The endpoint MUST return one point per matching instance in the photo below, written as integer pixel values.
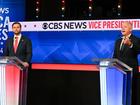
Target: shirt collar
(19, 36)
(128, 36)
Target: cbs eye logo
(45, 26)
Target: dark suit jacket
(128, 55)
(24, 50)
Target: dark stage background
(50, 87)
(53, 87)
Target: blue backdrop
(10, 10)
(76, 47)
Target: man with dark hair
(127, 50)
(16, 23)
(19, 45)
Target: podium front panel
(114, 86)
(9, 84)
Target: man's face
(126, 29)
(16, 29)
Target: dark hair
(16, 23)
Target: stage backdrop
(10, 10)
(74, 42)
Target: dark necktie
(122, 47)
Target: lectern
(115, 82)
(13, 81)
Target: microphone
(16, 38)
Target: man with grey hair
(126, 50)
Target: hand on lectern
(26, 64)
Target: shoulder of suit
(24, 37)
(136, 37)
(10, 38)
(119, 39)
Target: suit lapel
(12, 45)
(126, 48)
(121, 52)
(118, 46)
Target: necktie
(15, 44)
(122, 45)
